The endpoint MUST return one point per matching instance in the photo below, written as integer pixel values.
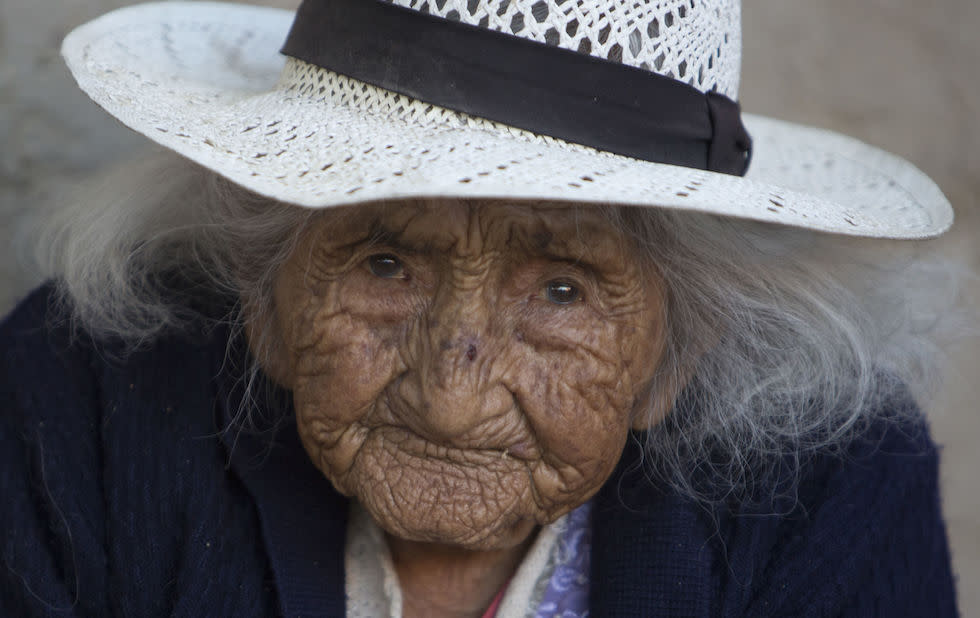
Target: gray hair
(782, 336)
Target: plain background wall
(901, 74)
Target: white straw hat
(208, 81)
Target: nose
(451, 390)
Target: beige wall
(901, 74)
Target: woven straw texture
(207, 81)
(695, 42)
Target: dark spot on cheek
(519, 336)
(445, 344)
(522, 450)
(471, 353)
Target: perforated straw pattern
(206, 80)
(331, 88)
(695, 41)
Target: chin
(496, 537)
(473, 529)
(470, 498)
(446, 505)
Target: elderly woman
(469, 308)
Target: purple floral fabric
(567, 593)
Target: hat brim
(203, 79)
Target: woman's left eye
(386, 266)
(562, 292)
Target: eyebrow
(567, 237)
(380, 234)
(560, 246)
(562, 243)
(578, 260)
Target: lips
(412, 444)
(501, 436)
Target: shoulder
(28, 327)
(56, 376)
(115, 483)
(861, 534)
(53, 371)
(855, 532)
(43, 350)
(52, 512)
(45, 372)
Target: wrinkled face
(468, 372)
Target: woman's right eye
(562, 292)
(386, 266)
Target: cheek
(574, 391)
(578, 375)
(343, 355)
(384, 303)
(644, 340)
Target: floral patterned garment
(566, 594)
(551, 582)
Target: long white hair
(788, 340)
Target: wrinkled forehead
(477, 226)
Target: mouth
(415, 445)
(504, 435)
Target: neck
(444, 580)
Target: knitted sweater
(121, 496)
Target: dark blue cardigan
(119, 495)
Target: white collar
(372, 584)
